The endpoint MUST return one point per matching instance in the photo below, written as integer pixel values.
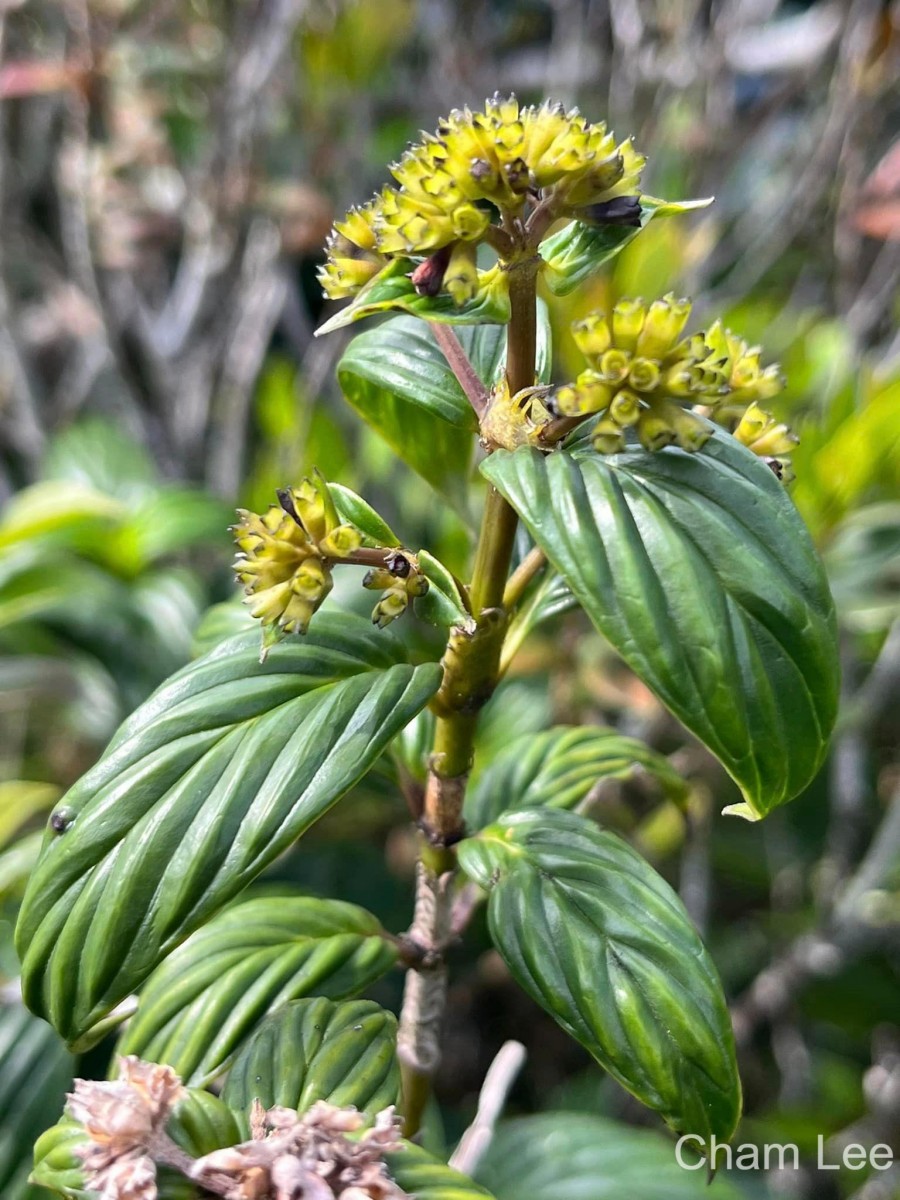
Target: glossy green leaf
(393, 290)
(601, 942)
(558, 768)
(35, 1074)
(202, 787)
(442, 605)
(421, 1175)
(212, 993)
(353, 509)
(579, 249)
(574, 1156)
(317, 1050)
(200, 1124)
(700, 572)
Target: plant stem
(471, 669)
(533, 562)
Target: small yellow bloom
(283, 555)
(644, 373)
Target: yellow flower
(643, 373)
(283, 555)
(450, 185)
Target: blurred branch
(496, 1087)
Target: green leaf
(353, 509)
(98, 454)
(65, 510)
(579, 249)
(399, 382)
(35, 1073)
(20, 800)
(571, 1156)
(200, 1124)
(221, 622)
(392, 289)
(213, 777)
(317, 1050)
(442, 604)
(209, 996)
(420, 1175)
(165, 522)
(558, 768)
(700, 572)
(601, 942)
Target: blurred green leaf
(569, 1156)
(578, 250)
(35, 1073)
(20, 800)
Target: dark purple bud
(428, 276)
(621, 210)
(286, 500)
(398, 564)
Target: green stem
(471, 670)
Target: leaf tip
(744, 809)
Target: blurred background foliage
(169, 170)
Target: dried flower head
(644, 373)
(121, 1119)
(308, 1157)
(504, 159)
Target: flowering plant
(650, 491)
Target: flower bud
(614, 364)
(627, 323)
(592, 336)
(663, 326)
(654, 430)
(607, 437)
(461, 276)
(643, 374)
(625, 408)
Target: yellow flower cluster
(283, 555)
(400, 581)
(451, 184)
(643, 373)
